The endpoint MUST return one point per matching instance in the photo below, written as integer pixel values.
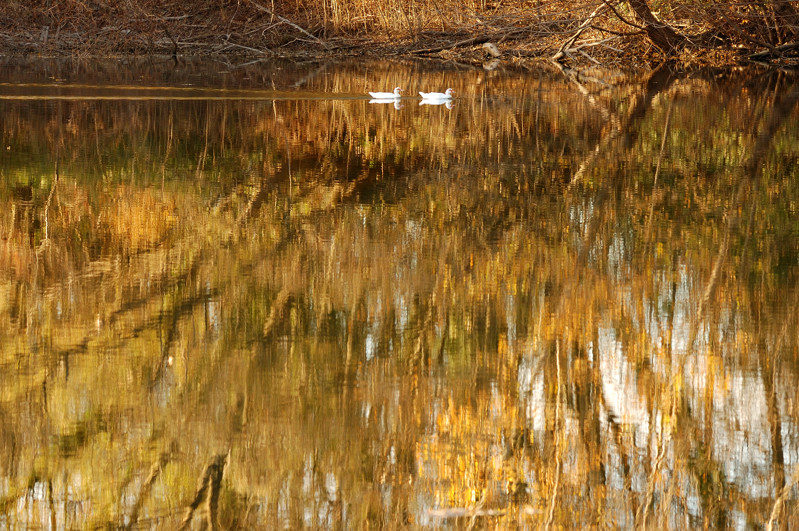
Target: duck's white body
(387, 95)
(437, 96)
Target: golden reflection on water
(528, 309)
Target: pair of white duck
(435, 98)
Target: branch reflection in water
(566, 301)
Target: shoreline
(639, 59)
(573, 35)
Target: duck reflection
(447, 103)
(397, 104)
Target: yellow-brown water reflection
(545, 306)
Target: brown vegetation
(596, 31)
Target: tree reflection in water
(559, 303)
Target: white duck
(437, 96)
(387, 95)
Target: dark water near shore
(246, 297)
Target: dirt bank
(627, 34)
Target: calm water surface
(245, 297)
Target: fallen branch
(290, 23)
(774, 51)
(566, 46)
(465, 42)
(591, 43)
(256, 50)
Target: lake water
(243, 296)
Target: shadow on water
(566, 301)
